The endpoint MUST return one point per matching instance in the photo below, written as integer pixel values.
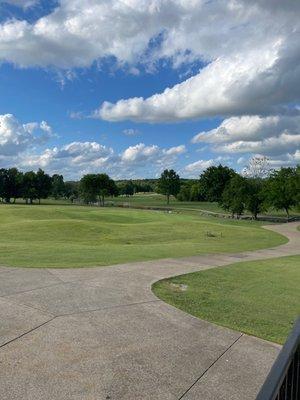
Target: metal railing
(283, 381)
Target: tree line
(31, 186)
(255, 192)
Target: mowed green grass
(76, 236)
(158, 200)
(261, 298)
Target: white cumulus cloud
(16, 137)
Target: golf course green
(78, 236)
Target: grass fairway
(74, 236)
(261, 298)
(158, 200)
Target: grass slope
(73, 236)
(261, 298)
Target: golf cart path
(100, 333)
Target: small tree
(282, 189)
(169, 184)
(235, 195)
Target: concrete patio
(100, 333)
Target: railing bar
(291, 380)
(298, 372)
(280, 382)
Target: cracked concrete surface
(100, 333)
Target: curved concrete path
(100, 333)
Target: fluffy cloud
(199, 166)
(193, 170)
(253, 66)
(272, 135)
(250, 51)
(77, 158)
(16, 137)
(249, 128)
(261, 81)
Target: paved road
(100, 333)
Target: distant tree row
(132, 186)
(32, 186)
(255, 191)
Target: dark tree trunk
(287, 212)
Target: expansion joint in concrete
(211, 365)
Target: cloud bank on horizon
(249, 54)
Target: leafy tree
(43, 185)
(29, 189)
(104, 187)
(282, 189)
(112, 188)
(71, 190)
(58, 186)
(88, 188)
(235, 195)
(213, 181)
(197, 192)
(255, 202)
(10, 184)
(95, 187)
(184, 193)
(191, 191)
(128, 189)
(169, 184)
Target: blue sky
(132, 87)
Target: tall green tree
(282, 189)
(58, 186)
(95, 187)
(213, 181)
(127, 188)
(29, 190)
(2, 182)
(10, 184)
(71, 190)
(255, 202)
(43, 185)
(235, 195)
(88, 188)
(169, 184)
(104, 187)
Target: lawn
(75, 236)
(158, 200)
(261, 298)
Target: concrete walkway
(100, 333)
